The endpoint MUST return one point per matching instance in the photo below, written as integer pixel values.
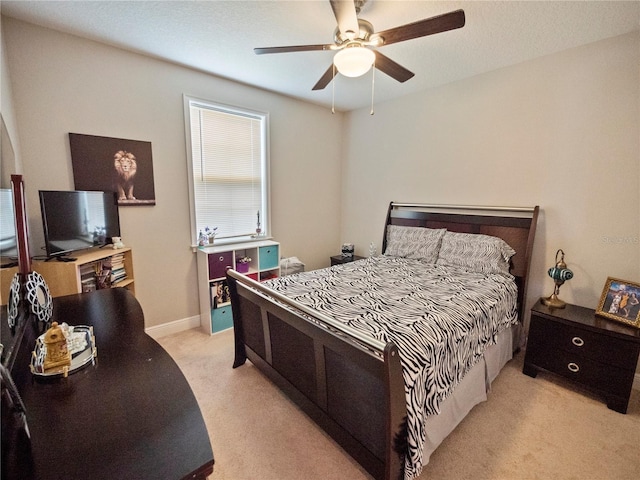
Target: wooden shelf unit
(64, 278)
(213, 262)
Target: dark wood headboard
(515, 225)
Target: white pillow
(475, 252)
(414, 242)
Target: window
(228, 163)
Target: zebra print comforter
(442, 318)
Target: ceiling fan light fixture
(354, 61)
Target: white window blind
(229, 169)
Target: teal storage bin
(221, 318)
(269, 257)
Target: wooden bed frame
(350, 385)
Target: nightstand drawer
(550, 336)
(592, 374)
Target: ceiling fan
(356, 42)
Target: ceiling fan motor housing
(364, 35)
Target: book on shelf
(118, 275)
(89, 284)
(118, 271)
(88, 277)
(220, 294)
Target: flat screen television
(77, 220)
(8, 236)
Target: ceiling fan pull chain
(333, 91)
(373, 82)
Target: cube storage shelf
(213, 262)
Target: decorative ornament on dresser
(14, 301)
(620, 300)
(39, 298)
(560, 274)
(56, 351)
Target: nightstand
(597, 353)
(339, 259)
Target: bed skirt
(470, 391)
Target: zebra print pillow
(475, 252)
(414, 242)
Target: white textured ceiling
(219, 36)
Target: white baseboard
(176, 326)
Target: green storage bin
(269, 257)
(221, 318)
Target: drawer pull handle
(221, 259)
(573, 367)
(577, 341)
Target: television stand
(68, 275)
(61, 258)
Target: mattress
(442, 319)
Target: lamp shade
(354, 61)
(560, 274)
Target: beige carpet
(539, 428)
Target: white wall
(63, 84)
(9, 146)
(561, 132)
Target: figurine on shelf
(117, 242)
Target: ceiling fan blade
(391, 68)
(422, 28)
(325, 79)
(293, 48)
(345, 13)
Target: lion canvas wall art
(113, 164)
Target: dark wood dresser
(597, 353)
(132, 415)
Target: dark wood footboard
(351, 387)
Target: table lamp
(560, 274)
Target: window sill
(233, 242)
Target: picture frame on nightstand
(620, 301)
